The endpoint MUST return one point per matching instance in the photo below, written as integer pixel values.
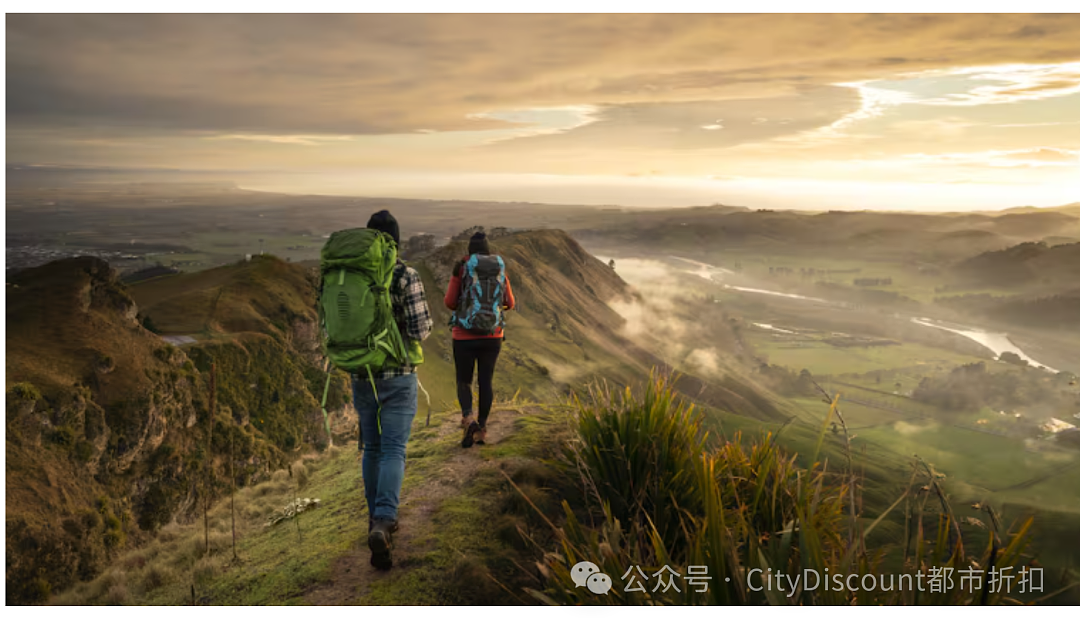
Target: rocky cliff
(108, 430)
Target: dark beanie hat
(479, 244)
(384, 222)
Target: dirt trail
(352, 574)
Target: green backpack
(359, 332)
(355, 312)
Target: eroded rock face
(305, 339)
(103, 290)
(129, 411)
(30, 423)
(146, 438)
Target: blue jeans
(384, 453)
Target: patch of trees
(493, 233)
(873, 281)
(969, 302)
(885, 298)
(786, 381)
(151, 272)
(1061, 310)
(1022, 263)
(973, 386)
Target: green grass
(279, 564)
(984, 460)
(219, 247)
(857, 416)
(807, 352)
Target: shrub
(62, 436)
(300, 472)
(149, 325)
(25, 391)
(117, 595)
(114, 539)
(84, 450)
(204, 571)
(165, 352)
(156, 576)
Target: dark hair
(385, 222)
(479, 244)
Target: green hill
(1030, 262)
(476, 522)
(847, 234)
(107, 423)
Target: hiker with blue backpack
(374, 315)
(479, 293)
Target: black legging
(482, 353)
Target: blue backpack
(483, 285)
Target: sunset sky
(914, 112)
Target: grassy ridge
(460, 529)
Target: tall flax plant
(636, 454)
(665, 496)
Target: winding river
(997, 343)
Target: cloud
(656, 318)
(873, 102)
(380, 74)
(292, 139)
(576, 98)
(695, 125)
(705, 360)
(949, 126)
(1045, 154)
(1040, 124)
(1033, 157)
(1007, 84)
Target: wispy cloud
(1033, 157)
(538, 121)
(1006, 84)
(1041, 124)
(286, 139)
(873, 102)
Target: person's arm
(452, 292)
(418, 321)
(508, 296)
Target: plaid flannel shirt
(411, 314)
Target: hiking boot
(379, 542)
(479, 436)
(470, 433)
(465, 419)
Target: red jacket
(453, 291)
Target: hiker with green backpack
(374, 316)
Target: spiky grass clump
(734, 509)
(635, 453)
